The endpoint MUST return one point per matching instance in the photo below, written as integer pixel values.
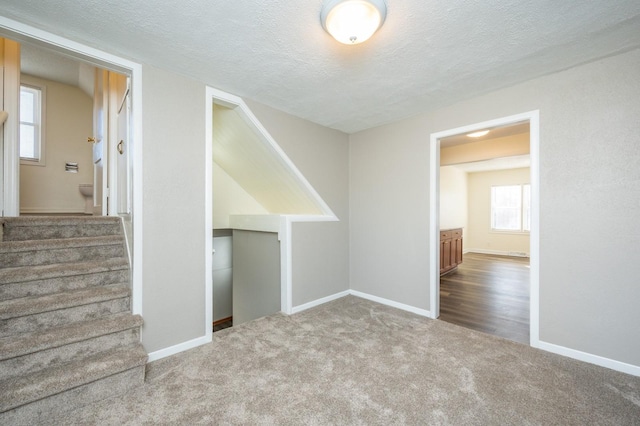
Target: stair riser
(42, 359)
(61, 317)
(54, 285)
(64, 255)
(39, 412)
(23, 274)
(24, 233)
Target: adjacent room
(485, 220)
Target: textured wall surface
(174, 232)
(589, 202)
(320, 250)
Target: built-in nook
(257, 194)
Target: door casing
(533, 117)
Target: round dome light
(353, 21)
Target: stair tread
(13, 308)
(24, 389)
(59, 243)
(53, 270)
(27, 343)
(59, 220)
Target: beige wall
(478, 236)
(173, 209)
(68, 123)
(230, 198)
(589, 192)
(256, 275)
(453, 198)
(320, 250)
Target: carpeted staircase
(67, 335)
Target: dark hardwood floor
(488, 293)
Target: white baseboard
(180, 347)
(496, 252)
(408, 308)
(318, 302)
(623, 367)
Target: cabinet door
(445, 255)
(457, 250)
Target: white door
(2, 134)
(123, 168)
(100, 111)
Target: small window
(31, 125)
(511, 208)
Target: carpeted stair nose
(67, 334)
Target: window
(31, 125)
(511, 208)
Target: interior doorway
(479, 267)
(25, 34)
(79, 164)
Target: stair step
(40, 349)
(68, 250)
(42, 272)
(52, 302)
(59, 284)
(21, 390)
(55, 227)
(27, 343)
(36, 312)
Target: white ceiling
(494, 133)
(428, 53)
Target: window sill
(26, 162)
(497, 231)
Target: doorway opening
(14, 34)
(484, 233)
(83, 122)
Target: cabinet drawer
(457, 233)
(445, 235)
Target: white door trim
(11, 152)
(22, 32)
(533, 117)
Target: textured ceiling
(428, 53)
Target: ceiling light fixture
(478, 134)
(353, 21)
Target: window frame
(524, 210)
(40, 125)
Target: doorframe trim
(533, 117)
(22, 32)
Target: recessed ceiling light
(478, 134)
(353, 21)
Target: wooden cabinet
(450, 249)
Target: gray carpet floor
(355, 362)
